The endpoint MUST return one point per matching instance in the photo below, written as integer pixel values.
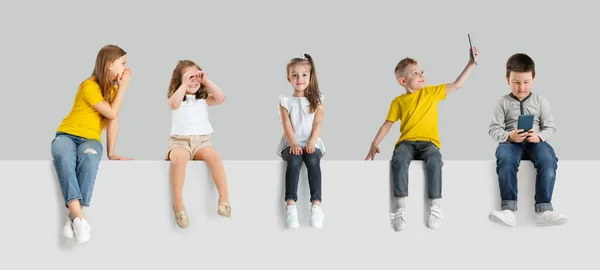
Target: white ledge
(133, 225)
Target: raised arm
(464, 75)
(176, 98)
(216, 96)
(111, 110)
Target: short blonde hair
(401, 66)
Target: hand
(296, 149)
(187, 78)
(113, 157)
(310, 148)
(123, 79)
(516, 136)
(532, 137)
(372, 152)
(471, 60)
(202, 77)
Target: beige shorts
(192, 143)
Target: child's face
(193, 82)
(414, 77)
(520, 83)
(118, 67)
(299, 76)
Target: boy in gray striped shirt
(515, 145)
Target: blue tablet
(525, 122)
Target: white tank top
(191, 118)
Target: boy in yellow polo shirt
(418, 115)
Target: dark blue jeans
(508, 159)
(292, 174)
(76, 161)
(404, 153)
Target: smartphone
(525, 122)
(472, 51)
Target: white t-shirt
(191, 118)
(302, 121)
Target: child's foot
(435, 217)
(503, 217)
(82, 230)
(181, 218)
(291, 217)
(224, 210)
(399, 219)
(550, 218)
(316, 217)
(68, 228)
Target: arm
(316, 127)
(460, 80)
(464, 75)
(547, 124)
(497, 128)
(111, 110)
(216, 96)
(177, 97)
(381, 133)
(288, 130)
(112, 130)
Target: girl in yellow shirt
(77, 147)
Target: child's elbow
(173, 105)
(222, 98)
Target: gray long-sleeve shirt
(508, 109)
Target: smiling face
(413, 77)
(299, 76)
(193, 84)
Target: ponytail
(312, 92)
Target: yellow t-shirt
(418, 114)
(84, 120)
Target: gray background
(49, 47)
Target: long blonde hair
(106, 56)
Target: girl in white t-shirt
(190, 94)
(301, 116)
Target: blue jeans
(405, 152)
(292, 174)
(508, 159)
(76, 161)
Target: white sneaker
(316, 217)
(82, 230)
(550, 218)
(291, 217)
(503, 217)
(435, 217)
(399, 219)
(68, 228)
